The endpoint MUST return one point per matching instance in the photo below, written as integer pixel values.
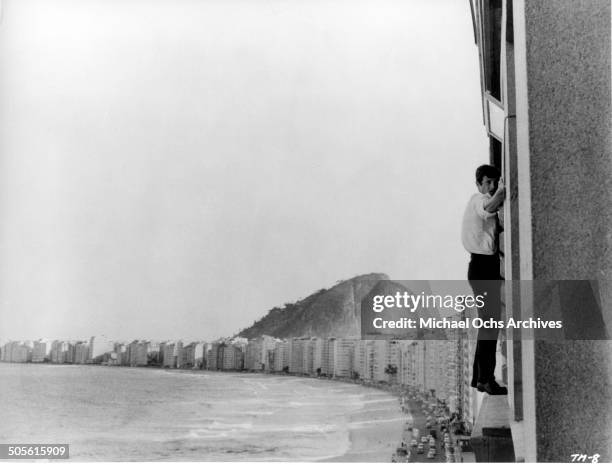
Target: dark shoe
(492, 388)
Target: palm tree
(391, 370)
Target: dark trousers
(485, 280)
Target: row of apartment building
(55, 351)
(136, 353)
(77, 352)
(431, 366)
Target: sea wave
(181, 416)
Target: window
(495, 118)
(495, 153)
(492, 22)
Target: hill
(332, 312)
(328, 312)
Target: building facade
(545, 75)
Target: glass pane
(496, 120)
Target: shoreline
(373, 438)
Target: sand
(375, 431)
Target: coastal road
(419, 421)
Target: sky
(176, 169)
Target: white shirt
(479, 226)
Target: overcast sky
(174, 169)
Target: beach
(374, 434)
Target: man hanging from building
(479, 236)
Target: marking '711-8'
(583, 458)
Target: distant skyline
(174, 170)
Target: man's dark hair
(488, 171)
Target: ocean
(140, 414)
